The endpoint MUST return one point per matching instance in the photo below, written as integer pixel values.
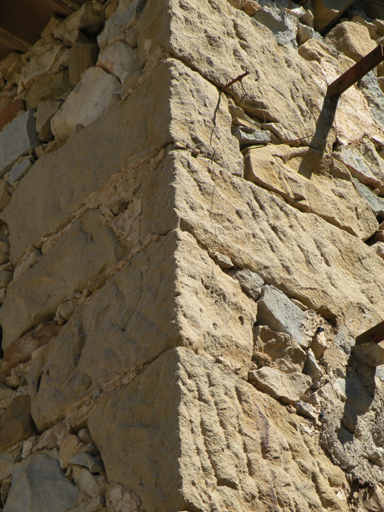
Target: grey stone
(371, 89)
(250, 137)
(250, 282)
(281, 23)
(361, 167)
(88, 461)
(19, 170)
(306, 410)
(313, 369)
(39, 485)
(17, 139)
(280, 314)
(375, 202)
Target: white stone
(96, 92)
(121, 20)
(119, 59)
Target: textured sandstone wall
(185, 265)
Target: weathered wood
(356, 72)
(375, 335)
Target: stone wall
(192, 238)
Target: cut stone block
(161, 294)
(17, 139)
(39, 484)
(18, 171)
(83, 165)
(210, 443)
(352, 39)
(80, 254)
(280, 314)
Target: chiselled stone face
(191, 240)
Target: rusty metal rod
(353, 75)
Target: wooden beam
(356, 72)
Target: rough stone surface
(285, 353)
(119, 59)
(352, 39)
(54, 87)
(80, 255)
(312, 183)
(96, 92)
(16, 139)
(280, 314)
(283, 24)
(81, 57)
(46, 110)
(270, 93)
(375, 202)
(97, 348)
(284, 387)
(38, 484)
(70, 178)
(326, 12)
(19, 170)
(249, 281)
(214, 415)
(16, 423)
(302, 255)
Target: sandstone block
(287, 388)
(159, 296)
(327, 12)
(370, 26)
(16, 423)
(5, 194)
(88, 461)
(9, 112)
(280, 314)
(271, 92)
(81, 57)
(119, 59)
(19, 170)
(81, 254)
(96, 92)
(38, 484)
(374, 8)
(306, 257)
(352, 39)
(83, 164)
(53, 87)
(312, 183)
(313, 369)
(379, 249)
(18, 138)
(192, 449)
